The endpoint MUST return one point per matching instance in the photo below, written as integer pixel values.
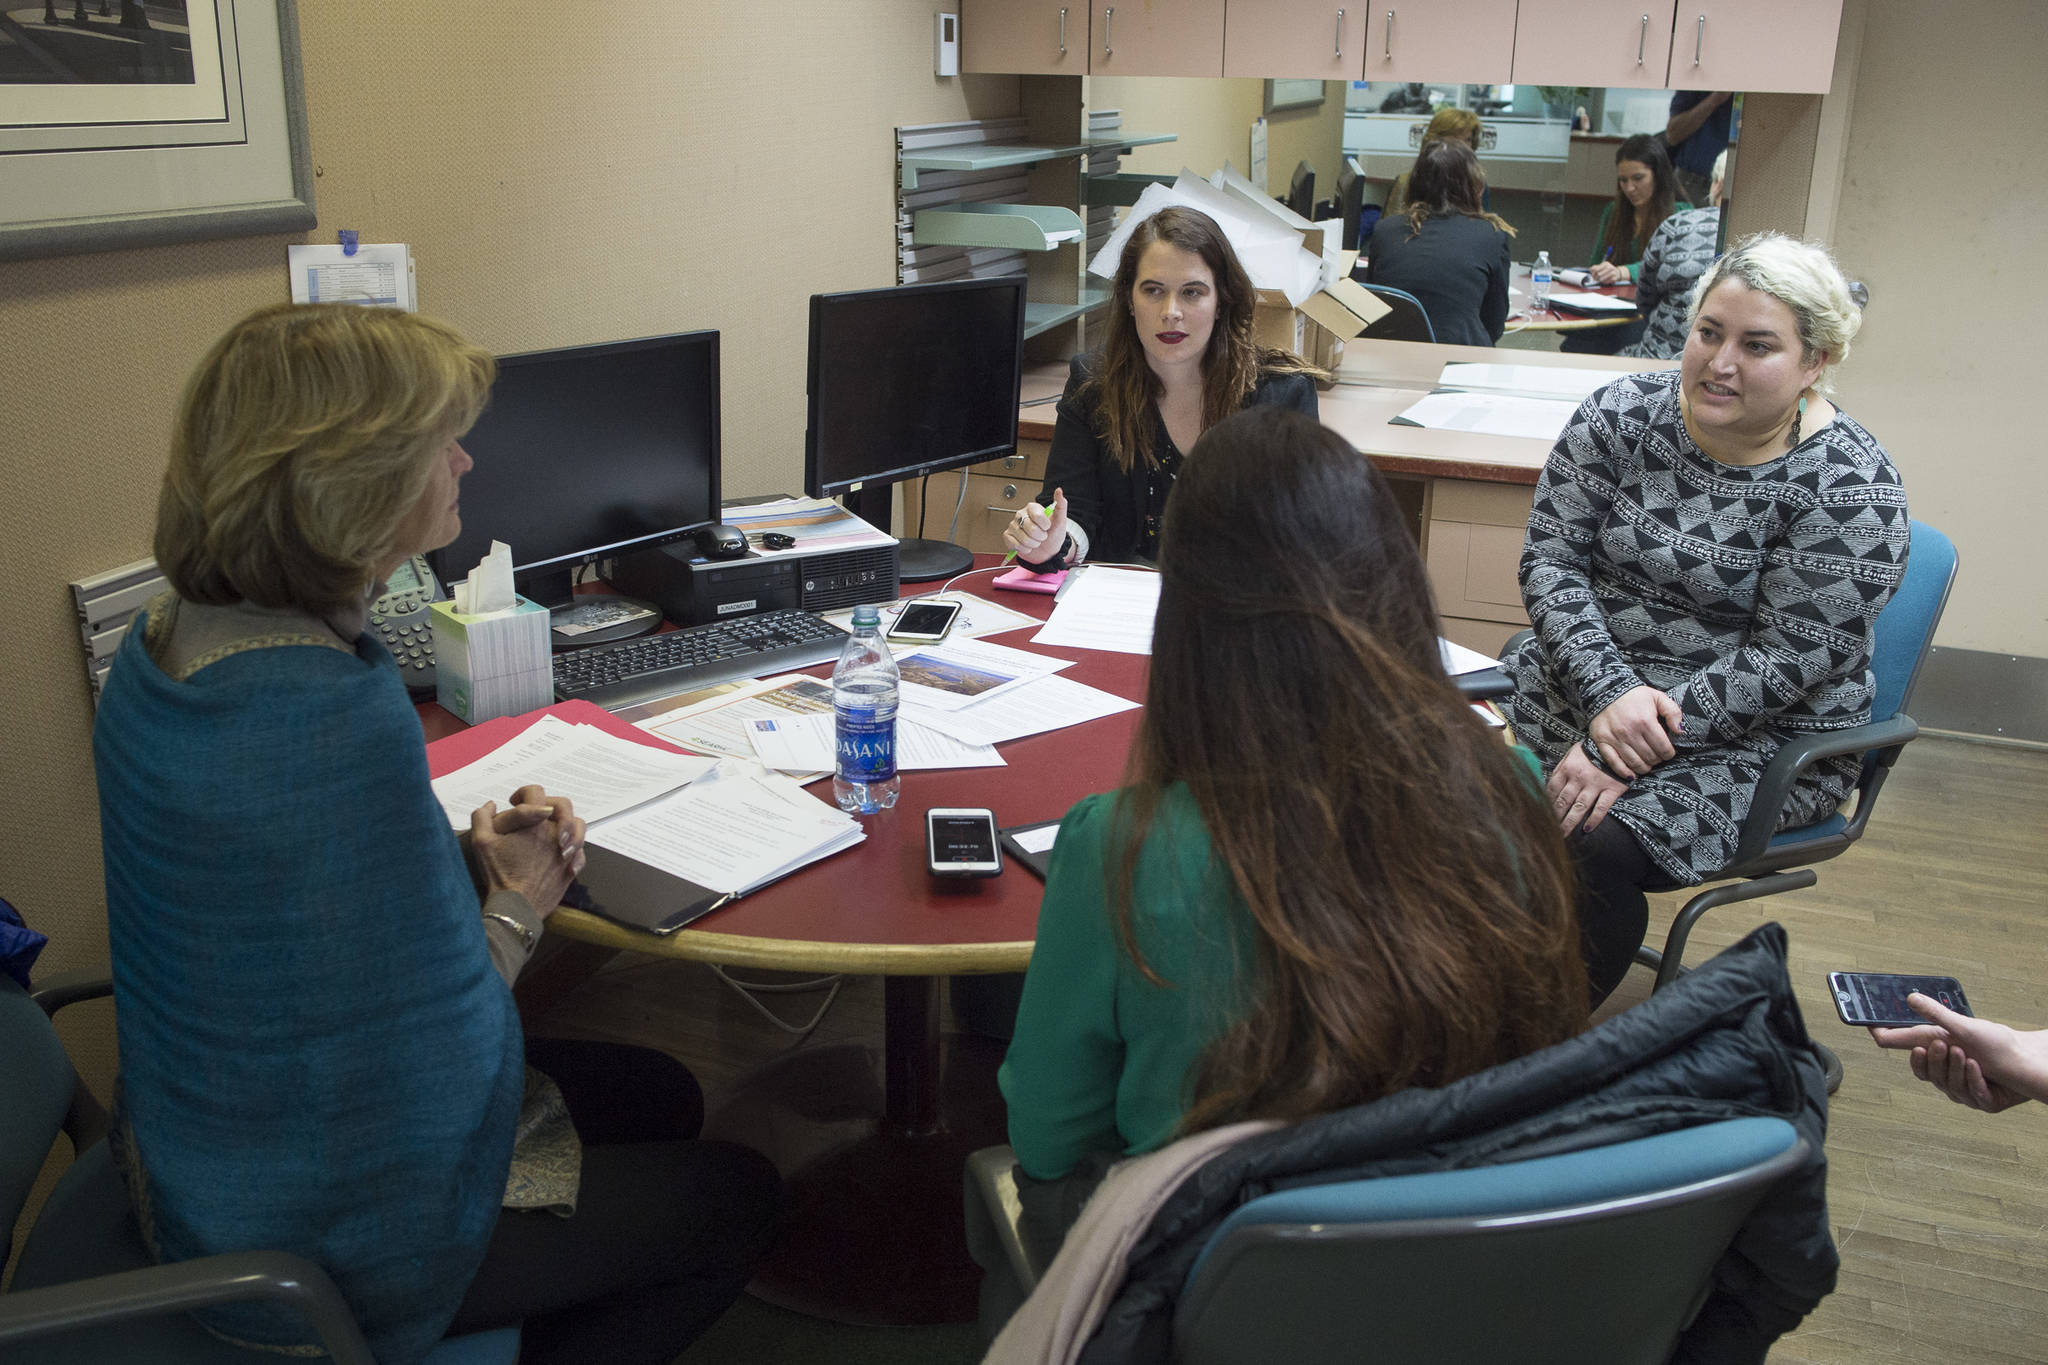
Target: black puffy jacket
(1725, 1041)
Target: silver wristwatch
(528, 936)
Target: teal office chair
(1604, 1254)
(1408, 322)
(1768, 860)
(85, 1291)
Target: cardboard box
(1318, 329)
(492, 664)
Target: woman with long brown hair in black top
(1445, 249)
(1326, 880)
(1177, 357)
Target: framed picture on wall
(136, 122)
(1293, 94)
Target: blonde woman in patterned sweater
(1707, 554)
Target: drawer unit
(1474, 550)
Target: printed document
(804, 745)
(717, 723)
(1530, 381)
(1590, 303)
(1048, 703)
(1104, 608)
(602, 774)
(962, 673)
(1490, 414)
(1458, 659)
(736, 830)
(378, 275)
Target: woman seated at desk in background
(1645, 194)
(1177, 357)
(1444, 249)
(1708, 552)
(319, 1049)
(1680, 250)
(1327, 880)
(1455, 125)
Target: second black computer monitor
(909, 381)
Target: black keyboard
(631, 671)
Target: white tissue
(489, 585)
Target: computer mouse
(722, 542)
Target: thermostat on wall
(946, 43)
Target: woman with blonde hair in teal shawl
(319, 1049)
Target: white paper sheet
(379, 275)
(734, 831)
(1493, 414)
(804, 744)
(1458, 659)
(1104, 608)
(962, 673)
(717, 725)
(1038, 840)
(1592, 303)
(1530, 381)
(601, 773)
(1049, 703)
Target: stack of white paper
(1104, 608)
(732, 831)
(600, 773)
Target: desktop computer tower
(691, 591)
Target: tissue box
(493, 664)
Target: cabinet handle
(1009, 490)
(1013, 461)
(1340, 33)
(1108, 13)
(1642, 40)
(1063, 30)
(1699, 38)
(1006, 511)
(1390, 34)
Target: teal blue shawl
(316, 1054)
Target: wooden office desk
(872, 1143)
(1527, 319)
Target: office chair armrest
(59, 989)
(274, 1276)
(1802, 753)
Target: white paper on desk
(602, 773)
(1492, 414)
(1040, 839)
(817, 525)
(1458, 659)
(1104, 608)
(738, 829)
(802, 744)
(379, 275)
(1529, 381)
(1592, 303)
(963, 673)
(717, 725)
(1048, 703)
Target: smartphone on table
(960, 841)
(924, 622)
(1878, 999)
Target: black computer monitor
(1301, 191)
(1350, 200)
(909, 381)
(590, 452)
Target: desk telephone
(400, 619)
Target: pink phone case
(1023, 580)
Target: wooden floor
(1941, 1213)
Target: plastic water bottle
(1539, 280)
(864, 686)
